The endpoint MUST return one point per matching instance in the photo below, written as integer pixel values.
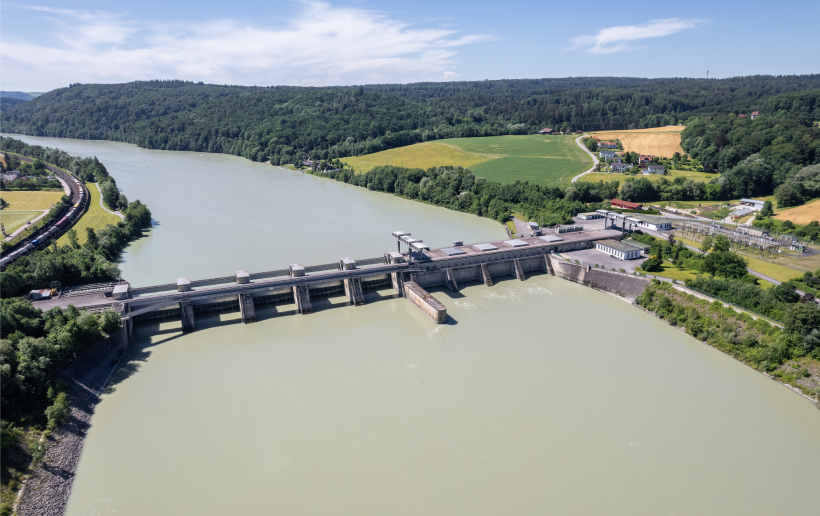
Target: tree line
(283, 124)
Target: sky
(46, 45)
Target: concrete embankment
(47, 489)
(619, 284)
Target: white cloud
(618, 39)
(323, 45)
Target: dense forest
(7, 103)
(282, 124)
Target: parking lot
(592, 257)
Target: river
(541, 397)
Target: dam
(409, 273)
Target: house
(10, 176)
(742, 115)
(619, 250)
(620, 167)
(608, 145)
(606, 154)
(753, 204)
(640, 245)
(655, 169)
(590, 215)
(536, 230)
(652, 222)
(754, 114)
(646, 158)
(625, 205)
(742, 212)
(547, 130)
(40, 294)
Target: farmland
(12, 220)
(688, 174)
(800, 214)
(658, 141)
(421, 155)
(545, 160)
(95, 217)
(23, 200)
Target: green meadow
(545, 160)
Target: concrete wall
(627, 287)
(427, 303)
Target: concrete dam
(408, 273)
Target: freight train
(53, 229)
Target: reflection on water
(542, 397)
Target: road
(118, 214)
(594, 159)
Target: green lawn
(95, 217)
(544, 160)
(12, 220)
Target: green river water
(541, 397)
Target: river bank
(48, 486)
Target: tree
(802, 318)
(706, 244)
(72, 238)
(110, 321)
(652, 264)
(725, 264)
(592, 144)
(91, 238)
(721, 244)
(767, 210)
(110, 194)
(122, 203)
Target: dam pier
(409, 273)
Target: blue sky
(45, 45)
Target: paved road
(594, 159)
(118, 214)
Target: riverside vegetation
(35, 345)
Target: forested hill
(285, 123)
(7, 103)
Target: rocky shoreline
(47, 489)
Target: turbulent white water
(542, 397)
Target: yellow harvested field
(95, 217)
(421, 155)
(30, 200)
(800, 214)
(658, 141)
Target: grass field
(546, 160)
(772, 270)
(14, 219)
(95, 217)
(800, 214)
(688, 174)
(31, 200)
(421, 155)
(658, 141)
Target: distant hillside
(7, 103)
(285, 123)
(22, 95)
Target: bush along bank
(458, 189)
(791, 354)
(34, 345)
(57, 267)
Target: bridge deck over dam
(408, 273)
